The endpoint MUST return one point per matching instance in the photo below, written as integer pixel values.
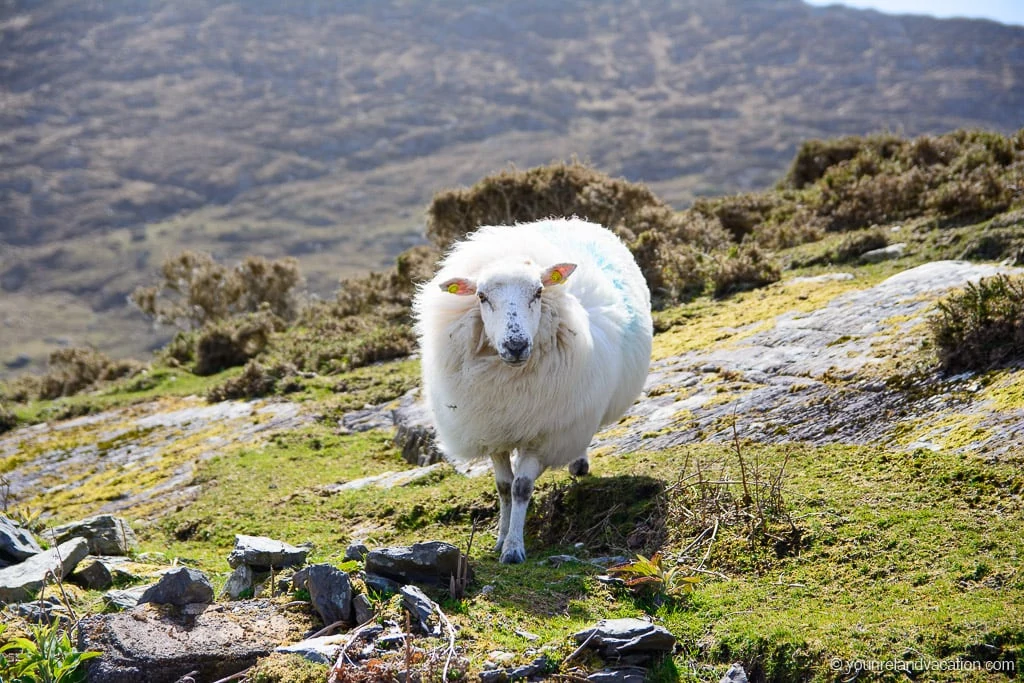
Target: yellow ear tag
(453, 288)
(556, 276)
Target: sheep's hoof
(513, 556)
(579, 467)
(499, 544)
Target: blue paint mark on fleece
(596, 256)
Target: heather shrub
(744, 267)
(855, 244)
(981, 325)
(8, 420)
(255, 381)
(70, 371)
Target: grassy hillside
(321, 130)
(812, 558)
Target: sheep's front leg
(528, 468)
(502, 482)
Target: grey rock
(240, 582)
(415, 435)
(180, 586)
(622, 638)
(356, 551)
(126, 598)
(381, 584)
(156, 646)
(300, 579)
(330, 590)
(384, 480)
(362, 608)
(422, 608)
(18, 582)
(107, 534)
(16, 543)
(392, 641)
(92, 575)
(559, 560)
(44, 611)
(320, 650)
(262, 553)
(735, 674)
(433, 563)
(535, 670)
(626, 674)
(884, 254)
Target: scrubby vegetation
(981, 325)
(70, 371)
(827, 210)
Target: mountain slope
(132, 130)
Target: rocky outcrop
(262, 553)
(106, 534)
(431, 563)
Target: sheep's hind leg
(580, 467)
(502, 482)
(528, 468)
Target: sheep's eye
(536, 295)
(482, 297)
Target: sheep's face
(510, 304)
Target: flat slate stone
(20, 581)
(153, 645)
(106, 534)
(320, 650)
(618, 638)
(433, 562)
(626, 674)
(92, 575)
(422, 608)
(126, 598)
(181, 586)
(16, 543)
(262, 553)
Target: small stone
(320, 650)
(527, 635)
(16, 543)
(300, 579)
(19, 582)
(415, 435)
(239, 583)
(884, 254)
(433, 562)
(93, 575)
(44, 611)
(181, 586)
(106, 534)
(330, 591)
(363, 609)
(627, 674)
(422, 608)
(356, 551)
(735, 674)
(262, 553)
(381, 584)
(124, 599)
(559, 560)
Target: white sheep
(532, 337)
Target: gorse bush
(195, 290)
(981, 325)
(70, 371)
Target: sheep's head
(510, 303)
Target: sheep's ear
(459, 285)
(557, 274)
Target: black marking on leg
(522, 489)
(579, 467)
(504, 488)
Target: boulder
(629, 640)
(19, 582)
(92, 575)
(181, 586)
(356, 551)
(884, 254)
(433, 562)
(330, 591)
(106, 534)
(262, 553)
(422, 609)
(16, 543)
(161, 646)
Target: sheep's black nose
(517, 348)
